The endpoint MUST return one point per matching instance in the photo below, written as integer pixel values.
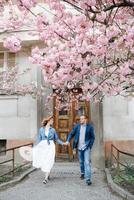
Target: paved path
(64, 184)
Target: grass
(4, 179)
(18, 171)
(124, 178)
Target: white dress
(44, 154)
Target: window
(11, 59)
(2, 146)
(63, 112)
(7, 60)
(81, 110)
(1, 61)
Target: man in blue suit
(84, 137)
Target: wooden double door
(64, 121)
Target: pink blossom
(82, 46)
(28, 3)
(13, 43)
(36, 56)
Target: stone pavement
(64, 184)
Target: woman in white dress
(44, 151)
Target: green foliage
(18, 170)
(126, 175)
(118, 179)
(129, 170)
(4, 179)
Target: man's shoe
(88, 182)
(82, 176)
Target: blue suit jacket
(52, 135)
(89, 136)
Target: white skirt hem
(44, 155)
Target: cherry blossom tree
(88, 44)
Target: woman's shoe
(45, 181)
(82, 176)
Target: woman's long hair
(46, 120)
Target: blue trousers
(85, 163)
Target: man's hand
(74, 152)
(66, 143)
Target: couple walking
(44, 151)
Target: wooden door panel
(64, 122)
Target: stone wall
(118, 124)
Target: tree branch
(118, 5)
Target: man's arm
(92, 137)
(71, 134)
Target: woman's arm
(56, 138)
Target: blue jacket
(89, 136)
(52, 135)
